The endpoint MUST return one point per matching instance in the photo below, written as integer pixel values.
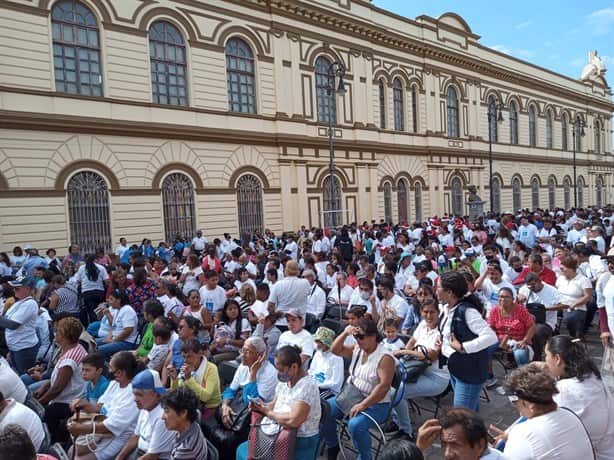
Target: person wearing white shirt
(393, 306)
(490, 283)
(291, 248)
(13, 412)
(291, 292)
(550, 431)
(199, 242)
(212, 296)
(93, 278)
(446, 239)
(326, 367)
(10, 384)
(316, 300)
(582, 390)
(491, 253)
(576, 291)
(124, 325)
(527, 232)
(363, 295)
(296, 335)
(150, 437)
(228, 245)
(122, 248)
(576, 233)
(340, 293)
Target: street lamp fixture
(495, 115)
(578, 130)
(336, 69)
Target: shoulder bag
(350, 395)
(415, 367)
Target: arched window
(76, 49)
(492, 119)
(549, 129)
(597, 128)
(402, 202)
(414, 109)
(249, 205)
(580, 191)
(564, 134)
(532, 126)
(496, 194)
(168, 64)
(178, 206)
(457, 196)
(516, 194)
(577, 132)
(551, 193)
(534, 193)
(452, 108)
(397, 100)
(240, 76)
(418, 201)
(324, 102)
(382, 103)
(566, 193)
(388, 202)
(513, 123)
(332, 203)
(88, 212)
(599, 192)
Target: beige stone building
(142, 118)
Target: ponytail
(574, 354)
(91, 269)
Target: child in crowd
(392, 342)
(326, 367)
(159, 352)
(92, 367)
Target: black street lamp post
(495, 114)
(577, 130)
(336, 69)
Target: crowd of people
(313, 339)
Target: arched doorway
(456, 187)
(402, 203)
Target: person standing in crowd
(198, 243)
(291, 292)
(92, 278)
(465, 341)
(576, 291)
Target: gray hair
(257, 343)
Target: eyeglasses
(505, 297)
(359, 336)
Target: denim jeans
(109, 349)
(32, 384)
(574, 320)
(93, 327)
(428, 384)
(466, 394)
(358, 427)
(24, 359)
(521, 355)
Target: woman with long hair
(93, 278)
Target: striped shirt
(67, 299)
(76, 385)
(190, 445)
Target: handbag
(277, 446)
(415, 367)
(226, 440)
(88, 443)
(350, 395)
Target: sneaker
(491, 382)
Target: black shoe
(390, 427)
(332, 453)
(403, 435)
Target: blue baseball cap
(23, 280)
(148, 380)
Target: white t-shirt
(214, 299)
(572, 290)
(259, 308)
(306, 390)
(154, 438)
(346, 294)
(327, 369)
(76, 386)
(126, 317)
(121, 416)
(427, 338)
(24, 312)
(316, 301)
(399, 305)
(11, 385)
(291, 292)
(18, 414)
(356, 299)
(191, 281)
(89, 285)
(490, 291)
(173, 305)
(594, 404)
(266, 380)
(303, 339)
(548, 297)
(556, 435)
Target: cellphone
(491, 439)
(255, 400)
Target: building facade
(141, 118)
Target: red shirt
(546, 275)
(514, 326)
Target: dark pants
(574, 320)
(591, 309)
(91, 299)
(55, 414)
(542, 333)
(24, 359)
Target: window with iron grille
(551, 193)
(388, 202)
(249, 205)
(402, 203)
(88, 212)
(452, 108)
(457, 196)
(324, 101)
(513, 123)
(516, 194)
(382, 104)
(332, 203)
(418, 201)
(167, 54)
(532, 127)
(397, 105)
(535, 193)
(240, 76)
(564, 132)
(76, 49)
(178, 207)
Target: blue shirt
(93, 393)
(32, 262)
(177, 359)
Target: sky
(556, 35)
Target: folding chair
(378, 436)
(227, 371)
(436, 400)
(311, 322)
(334, 324)
(324, 416)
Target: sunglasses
(359, 336)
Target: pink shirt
(514, 326)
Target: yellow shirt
(206, 388)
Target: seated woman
(371, 372)
(124, 325)
(296, 405)
(230, 333)
(199, 375)
(153, 309)
(187, 329)
(582, 390)
(66, 382)
(201, 313)
(181, 415)
(118, 407)
(549, 431)
(435, 378)
(514, 327)
(326, 367)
